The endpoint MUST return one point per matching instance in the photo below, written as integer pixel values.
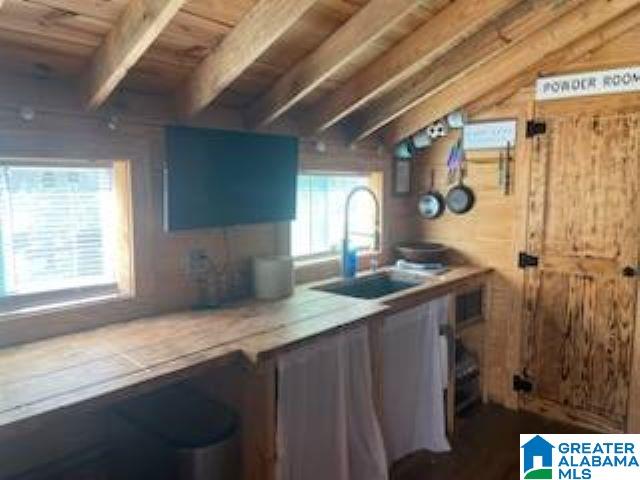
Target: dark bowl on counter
(423, 252)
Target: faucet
(376, 237)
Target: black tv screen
(217, 178)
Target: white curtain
(327, 426)
(414, 379)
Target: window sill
(63, 306)
(330, 258)
(322, 268)
(305, 262)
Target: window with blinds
(319, 225)
(58, 227)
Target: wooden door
(579, 307)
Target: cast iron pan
(460, 198)
(431, 204)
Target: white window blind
(319, 224)
(57, 228)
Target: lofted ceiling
(371, 66)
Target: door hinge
(526, 261)
(535, 128)
(521, 384)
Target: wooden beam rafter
(438, 35)
(558, 60)
(514, 25)
(260, 28)
(586, 18)
(137, 28)
(367, 25)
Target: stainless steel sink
(372, 286)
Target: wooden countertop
(102, 364)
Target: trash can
(176, 433)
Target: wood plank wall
(486, 236)
(494, 231)
(491, 234)
(62, 129)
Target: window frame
(15, 305)
(375, 183)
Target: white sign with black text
(489, 135)
(605, 82)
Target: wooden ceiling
(388, 66)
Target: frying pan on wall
(431, 204)
(460, 198)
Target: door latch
(522, 384)
(526, 261)
(535, 128)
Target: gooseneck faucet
(347, 208)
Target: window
(319, 226)
(59, 232)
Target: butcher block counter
(102, 365)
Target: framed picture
(402, 177)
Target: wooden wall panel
(487, 236)
(495, 230)
(62, 129)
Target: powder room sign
(605, 82)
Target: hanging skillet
(460, 198)
(431, 204)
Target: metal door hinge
(526, 261)
(521, 384)
(535, 128)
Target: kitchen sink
(371, 286)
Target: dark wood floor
(485, 447)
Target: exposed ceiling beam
(522, 55)
(557, 60)
(351, 39)
(439, 34)
(514, 25)
(265, 23)
(138, 27)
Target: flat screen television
(217, 178)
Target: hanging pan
(460, 198)
(431, 204)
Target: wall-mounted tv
(217, 178)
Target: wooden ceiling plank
(559, 60)
(520, 56)
(443, 31)
(138, 27)
(514, 25)
(253, 35)
(366, 26)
